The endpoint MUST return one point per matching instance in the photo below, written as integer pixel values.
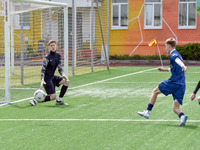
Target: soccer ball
(39, 95)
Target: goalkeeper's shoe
(183, 120)
(145, 114)
(60, 103)
(33, 102)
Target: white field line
(99, 120)
(166, 67)
(113, 78)
(139, 82)
(89, 84)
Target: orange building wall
(125, 41)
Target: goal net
(32, 23)
(28, 26)
(86, 47)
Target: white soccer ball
(39, 95)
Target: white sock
(148, 111)
(59, 99)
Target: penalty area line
(86, 85)
(98, 120)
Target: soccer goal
(28, 26)
(80, 28)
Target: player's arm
(60, 65)
(60, 68)
(181, 64)
(43, 70)
(163, 69)
(195, 91)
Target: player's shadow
(175, 125)
(57, 106)
(187, 126)
(19, 106)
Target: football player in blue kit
(51, 62)
(175, 85)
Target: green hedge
(190, 51)
(198, 10)
(139, 57)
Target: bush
(198, 10)
(139, 57)
(190, 51)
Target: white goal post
(8, 35)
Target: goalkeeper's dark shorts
(51, 84)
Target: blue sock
(150, 106)
(181, 114)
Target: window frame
(187, 26)
(119, 27)
(153, 26)
(16, 18)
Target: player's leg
(61, 81)
(39, 96)
(176, 107)
(179, 112)
(178, 100)
(64, 88)
(152, 101)
(50, 97)
(50, 90)
(154, 95)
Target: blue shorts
(176, 90)
(51, 83)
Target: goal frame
(8, 42)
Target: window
(187, 14)
(21, 18)
(153, 14)
(119, 14)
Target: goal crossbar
(44, 2)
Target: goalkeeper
(52, 61)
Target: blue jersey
(178, 75)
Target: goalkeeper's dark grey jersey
(50, 63)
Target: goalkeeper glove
(42, 83)
(64, 76)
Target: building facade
(134, 23)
